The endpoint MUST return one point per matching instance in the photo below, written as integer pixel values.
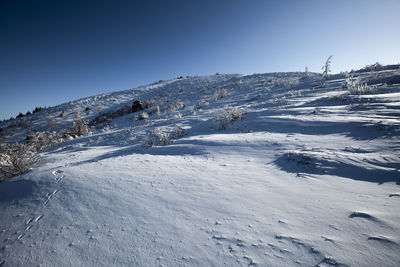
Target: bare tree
(327, 67)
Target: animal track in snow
(30, 222)
(49, 196)
(38, 218)
(57, 172)
(58, 175)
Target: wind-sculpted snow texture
(300, 172)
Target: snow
(308, 175)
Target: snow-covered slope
(272, 169)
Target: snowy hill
(276, 169)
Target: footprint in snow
(58, 175)
(57, 172)
(49, 196)
(30, 222)
(38, 218)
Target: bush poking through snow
(178, 133)
(155, 110)
(157, 137)
(373, 67)
(43, 140)
(137, 106)
(143, 116)
(356, 87)
(80, 126)
(299, 158)
(221, 94)
(161, 137)
(16, 159)
(175, 105)
(228, 116)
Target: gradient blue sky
(53, 51)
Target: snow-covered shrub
(179, 132)
(177, 116)
(80, 126)
(16, 159)
(221, 94)
(202, 104)
(227, 116)
(43, 140)
(155, 110)
(162, 136)
(293, 93)
(143, 116)
(151, 102)
(283, 82)
(177, 104)
(157, 137)
(101, 120)
(191, 110)
(356, 87)
(373, 67)
(105, 118)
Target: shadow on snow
(341, 169)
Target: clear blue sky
(53, 51)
